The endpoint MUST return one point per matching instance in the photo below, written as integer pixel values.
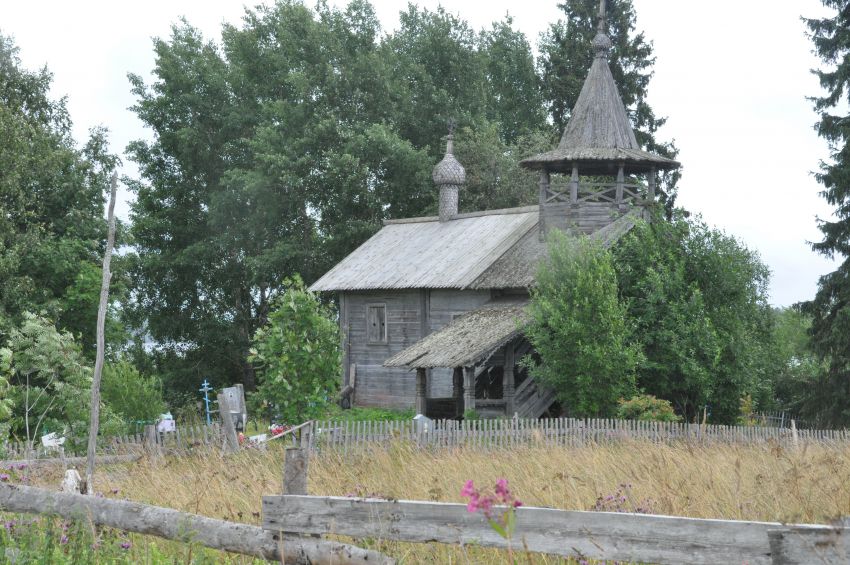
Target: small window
(376, 323)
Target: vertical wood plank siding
(381, 386)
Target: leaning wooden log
(172, 524)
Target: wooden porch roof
(468, 339)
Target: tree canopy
(698, 300)
(52, 195)
(283, 146)
(579, 328)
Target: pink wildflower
(468, 489)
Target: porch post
(621, 180)
(544, 196)
(651, 184)
(468, 388)
(574, 186)
(421, 375)
(508, 380)
(457, 390)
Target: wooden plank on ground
(593, 535)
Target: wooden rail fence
(604, 536)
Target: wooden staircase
(532, 400)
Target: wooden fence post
(231, 441)
(151, 440)
(295, 467)
(794, 433)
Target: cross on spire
(600, 27)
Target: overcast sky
(731, 76)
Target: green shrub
(129, 394)
(297, 355)
(578, 327)
(647, 408)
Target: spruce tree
(830, 308)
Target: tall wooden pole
(94, 420)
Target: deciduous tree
(579, 328)
(52, 229)
(698, 300)
(298, 355)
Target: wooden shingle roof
(468, 339)
(483, 250)
(427, 253)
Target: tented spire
(599, 134)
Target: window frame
(385, 338)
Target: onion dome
(449, 170)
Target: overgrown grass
(809, 485)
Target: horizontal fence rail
(604, 536)
(183, 527)
(553, 432)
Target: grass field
(809, 485)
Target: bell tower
(598, 154)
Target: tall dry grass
(810, 484)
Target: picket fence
(184, 438)
(349, 435)
(553, 432)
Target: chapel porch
(483, 348)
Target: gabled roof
(482, 250)
(427, 253)
(468, 339)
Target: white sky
(731, 76)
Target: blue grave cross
(206, 389)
